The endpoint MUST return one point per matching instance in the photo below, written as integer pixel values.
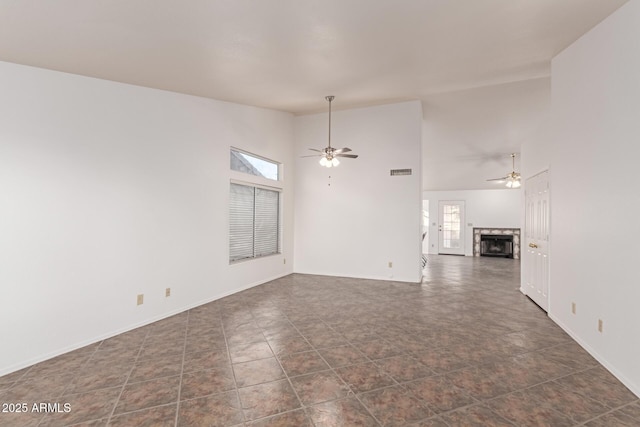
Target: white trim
(635, 388)
(257, 156)
(252, 184)
(381, 278)
(99, 338)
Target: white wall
(594, 192)
(483, 208)
(109, 190)
(366, 217)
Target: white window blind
(254, 222)
(241, 222)
(266, 228)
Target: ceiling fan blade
(342, 150)
(314, 155)
(350, 156)
(315, 149)
(499, 179)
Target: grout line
(282, 368)
(609, 412)
(124, 384)
(350, 393)
(86, 362)
(184, 350)
(233, 372)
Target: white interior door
(536, 272)
(451, 228)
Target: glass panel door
(451, 228)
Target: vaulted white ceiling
(289, 54)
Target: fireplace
(496, 245)
(497, 242)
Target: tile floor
(465, 348)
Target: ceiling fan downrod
(329, 98)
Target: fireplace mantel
(515, 232)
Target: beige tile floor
(464, 348)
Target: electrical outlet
(600, 325)
(390, 264)
(167, 292)
(573, 307)
(284, 260)
(140, 299)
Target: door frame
(529, 253)
(461, 251)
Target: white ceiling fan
(329, 154)
(512, 178)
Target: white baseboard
(635, 388)
(388, 279)
(84, 343)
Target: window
(253, 165)
(254, 222)
(254, 207)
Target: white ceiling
(468, 135)
(289, 54)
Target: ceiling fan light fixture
(329, 163)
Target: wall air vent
(398, 172)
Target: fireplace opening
(496, 245)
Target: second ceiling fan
(512, 178)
